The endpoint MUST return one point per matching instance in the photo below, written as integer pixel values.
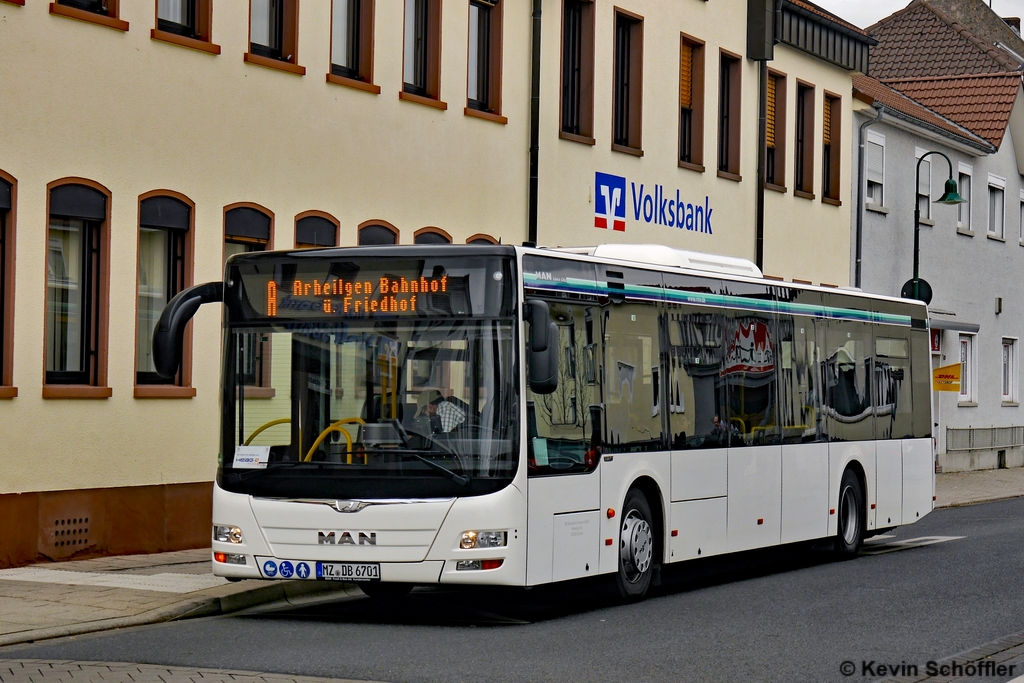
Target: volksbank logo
(654, 206)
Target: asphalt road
(776, 616)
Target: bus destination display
(385, 295)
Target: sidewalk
(69, 598)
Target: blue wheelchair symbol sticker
(302, 570)
(270, 568)
(286, 570)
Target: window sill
(353, 83)
(1010, 404)
(803, 195)
(833, 202)
(274, 64)
(632, 151)
(776, 188)
(997, 238)
(15, 2)
(163, 391)
(175, 39)
(966, 233)
(876, 208)
(91, 17)
(486, 116)
(258, 392)
(572, 137)
(699, 168)
(75, 391)
(928, 221)
(8, 392)
(730, 176)
(419, 99)
(967, 404)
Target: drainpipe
(534, 122)
(762, 157)
(861, 191)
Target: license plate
(347, 571)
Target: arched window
(432, 236)
(76, 285)
(165, 223)
(481, 238)
(247, 227)
(7, 195)
(315, 229)
(377, 233)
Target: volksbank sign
(652, 204)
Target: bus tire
(850, 527)
(381, 590)
(636, 547)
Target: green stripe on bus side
(581, 286)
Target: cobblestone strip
(42, 671)
(986, 658)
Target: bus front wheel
(850, 531)
(636, 547)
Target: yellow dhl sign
(946, 378)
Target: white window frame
(964, 211)
(1010, 367)
(999, 183)
(918, 153)
(878, 139)
(968, 368)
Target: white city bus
(520, 416)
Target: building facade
(143, 143)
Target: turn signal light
(611, 513)
(490, 564)
(229, 558)
(472, 565)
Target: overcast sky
(863, 13)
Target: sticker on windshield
(251, 457)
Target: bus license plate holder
(348, 571)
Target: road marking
(162, 583)
(908, 543)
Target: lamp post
(912, 289)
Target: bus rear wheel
(636, 547)
(380, 590)
(850, 531)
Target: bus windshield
(325, 399)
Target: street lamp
(912, 288)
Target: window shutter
(247, 222)
(78, 201)
(876, 162)
(5, 195)
(317, 231)
(686, 77)
(164, 212)
(827, 121)
(770, 114)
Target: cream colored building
(140, 144)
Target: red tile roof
(892, 99)
(921, 40)
(979, 102)
(821, 12)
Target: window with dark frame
(729, 115)
(5, 209)
(377, 235)
(247, 230)
(352, 39)
(483, 91)
(775, 133)
(691, 102)
(315, 231)
(73, 284)
(578, 68)
(164, 223)
(831, 148)
(803, 158)
(106, 8)
(627, 90)
(178, 16)
(421, 68)
(430, 237)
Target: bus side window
(891, 385)
(847, 369)
(632, 358)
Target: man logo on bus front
(610, 201)
(345, 538)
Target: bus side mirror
(542, 356)
(170, 329)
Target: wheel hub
(636, 546)
(848, 515)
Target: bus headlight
(227, 534)
(483, 539)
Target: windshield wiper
(459, 479)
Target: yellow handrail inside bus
(336, 427)
(283, 420)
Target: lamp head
(950, 196)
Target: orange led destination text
(337, 296)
